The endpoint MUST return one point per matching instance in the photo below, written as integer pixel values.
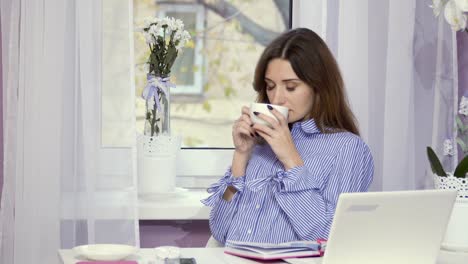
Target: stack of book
(263, 251)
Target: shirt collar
(308, 126)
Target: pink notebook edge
(299, 255)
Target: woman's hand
(279, 138)
(243, 133)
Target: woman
(284, 181)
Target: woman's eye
(270, 87)
(291, 88)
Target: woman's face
(284, 88)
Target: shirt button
(249, 231)
(257, 206)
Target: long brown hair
(315, 65)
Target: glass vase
(157, 116)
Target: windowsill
(185, 205)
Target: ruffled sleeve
(217, 189)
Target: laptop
(389, 227)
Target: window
(214, 73)
(213, 76)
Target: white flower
(183, 38)
(165, 21)
(171, 24)
(149, 38)
(177, 35)
(155, 30)
(147, 22)
(462, 5)
(448, 147)
(437, 6)
(454, 16)
(463, 109)
(179, 24)
(150, 20)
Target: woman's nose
(278, 97)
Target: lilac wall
(193, 233)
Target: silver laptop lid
(389, 227)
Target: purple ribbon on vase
(155, 84)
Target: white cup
(167, 255)
(263, 108)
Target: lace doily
(162, 145)
(452, 183)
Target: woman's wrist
(293, 161)
(239, 163)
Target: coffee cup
(263, 108)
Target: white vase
(456, 235)
(156, 164)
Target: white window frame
(197, 87)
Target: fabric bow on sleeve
(275, 181)
(154, 85)
(217, 189)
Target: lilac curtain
(1, 114)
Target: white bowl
(105, 252)
(263, 108)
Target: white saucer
(105, 252)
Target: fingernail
(270, 107)
(256, 113)
(257, 134)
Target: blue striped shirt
(274, 205)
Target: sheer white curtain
(60, 188)
(400, 70)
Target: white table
(216, 255)
(202, 255)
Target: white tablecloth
(216, 255)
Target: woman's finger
(264, 129)
(246, 132)
(245, 110)
(246, 119)
(266, 118)
(280, 118)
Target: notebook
(389, 227)
(264, 251)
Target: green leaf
(462, 168)
(207, 106)
(436, 166)
(228, 91)
(461, 143)
(459, 123)
(215, 63)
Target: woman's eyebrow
(285, 80)
(290, 80)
